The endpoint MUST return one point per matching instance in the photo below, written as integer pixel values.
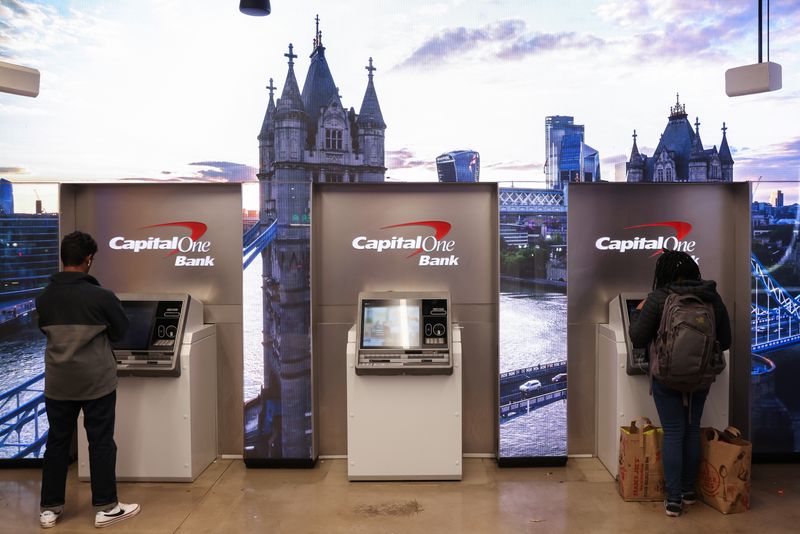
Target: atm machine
(623, 388)
(404, 388)
(166, 425)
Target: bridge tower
(306, 137)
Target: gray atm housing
(637, 358)
(157, 323)
(431, 354)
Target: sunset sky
(155, 89)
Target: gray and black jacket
(644, 329)
(80, 319)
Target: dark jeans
(681, 450)
(98, 420)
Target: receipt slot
(623, 389)
(166, 426)
(404, 389)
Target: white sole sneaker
(47, 519)
(121, 512)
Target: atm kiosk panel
(638, 361)
(168, 425)
(404, 388)
(151, 346)
(404, 333)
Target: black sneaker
(673, 508)
(689, 498)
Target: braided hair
(672, 266)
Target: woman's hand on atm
(641, 305)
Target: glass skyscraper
(567, 157)
(555, 128)
(459, 166)
(578, 162)
(6, 197)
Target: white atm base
(166, 427)
(404, 427)
(621, 398)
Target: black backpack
(685, 354)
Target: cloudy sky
(150, 89)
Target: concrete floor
(229, 498)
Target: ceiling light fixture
(19, 80)
(256, 8)
(759, 77)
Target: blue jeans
(681, 450)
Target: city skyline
(187, 102)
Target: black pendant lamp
(257, 8)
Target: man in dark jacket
(80, 318)
(680, 413)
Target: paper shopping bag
(641, 474)
(724, 478)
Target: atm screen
(390, 324)
(140, 318)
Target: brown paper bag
(641, 473)
(724, 478)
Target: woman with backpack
(680, 292)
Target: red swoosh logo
(681, 228)
(442, 228)
(197, 229)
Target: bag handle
(644, 421)
(733, 432)
(711, 434)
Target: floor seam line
(211, 487)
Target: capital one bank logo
(179, 246)
(625, 243)
(432, 250)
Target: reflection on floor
(228, 498)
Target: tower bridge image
(775, 313)
(306, 137)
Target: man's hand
(641, 305)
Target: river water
(21, 358)
(252, 311)
(533, 330)
(775, 406)
(21, 352)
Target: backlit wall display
(775, 265)
(533, 334)
(29, 246)
(504, 92)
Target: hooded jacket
(644, 329)
(80, 319)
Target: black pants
(98, 420)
